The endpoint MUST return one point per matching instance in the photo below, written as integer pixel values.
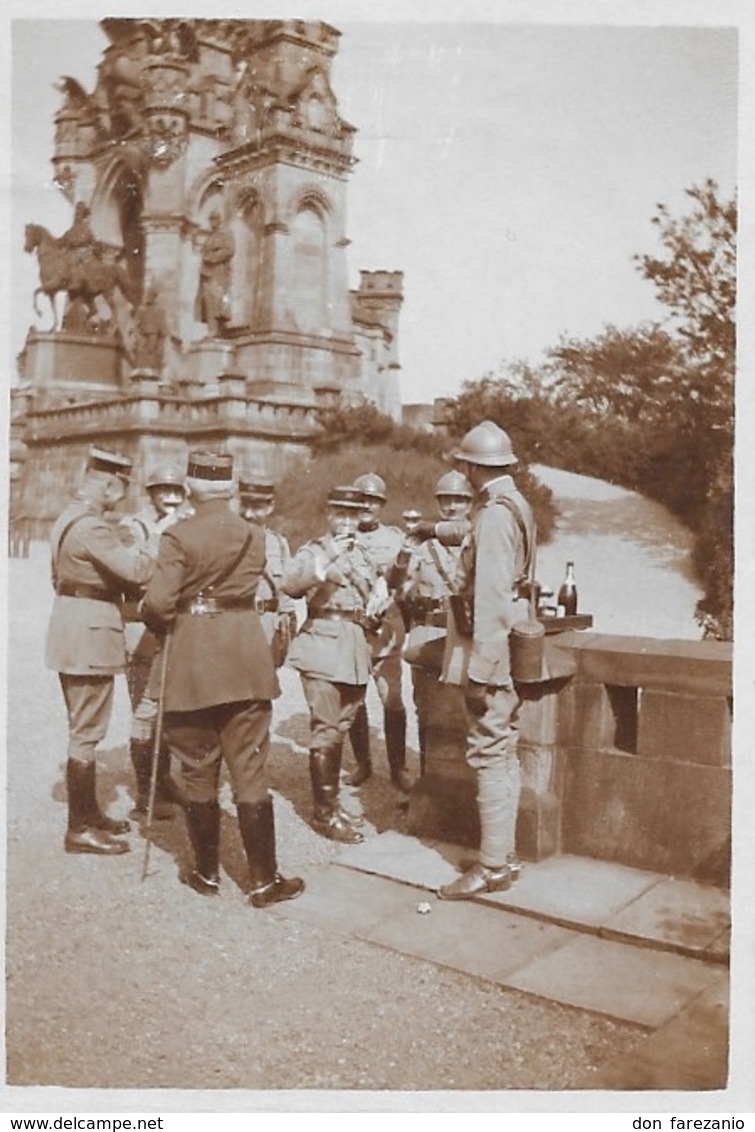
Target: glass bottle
(567, 594)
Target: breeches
(491, 751)
(332, 708)
(386, 671)
(140, 680)
(89, 704)
(237, 732)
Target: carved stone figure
(213, 296)
(150, 332)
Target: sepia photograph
(373, 376)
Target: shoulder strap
(55, 557)
(529, 549)
(236, 562)
(432, 547)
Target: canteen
(526, 650)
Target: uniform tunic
(382, 544)
(493, 560)
(331, 655)
(220, 677)
(85, 638)
(269, 591)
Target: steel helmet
(371, 485)
(486, 444)
(165, 477)
(454, 483)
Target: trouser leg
(388, 674)
(332, 710)
(492, 753)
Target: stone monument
(201, 292)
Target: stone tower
(200, 133)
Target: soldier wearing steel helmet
(425, 578)
(493, 562)
(382, 543)
(331, 651)
(166, 491)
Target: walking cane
(156, 750)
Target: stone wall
(628, 760)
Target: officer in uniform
(85, 639)
(331, 651)
(493, 563)
(382, 544)
(276, 609)
(424, 577)
(220, 678)
(166, 491)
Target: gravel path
(114, 983)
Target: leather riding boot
(257, 828)
(82, 836)
(329, 819)
(97, 819)
(359, 734)
(395, 748)
(141, 758)
(203, 825)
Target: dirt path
(631, 556)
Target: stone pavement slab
(682, 915)
(575, 890)
(467, 937)
(401, 857)
(635, 984)
(691, 1051)
(347, 902)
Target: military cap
(346, 496)
(215, 466)
(115, 463)
(257, 489)
(165, 477)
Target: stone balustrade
(628, 760)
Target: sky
(509, 169)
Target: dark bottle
(567, 594)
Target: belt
(266, 605)
(437, 617)
(94, 593)
(355, 615)
(201, 603)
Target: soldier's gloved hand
(423, 531)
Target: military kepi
(346, 497)
(257, 489)
(115, 463)
(213, 466)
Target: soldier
(331, 651)
(494, 562)
(85, 640)
(382, 544)
(276, 609)
(220, 677)
(166, 490)
(424, 577)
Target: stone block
(651, 813)
(538, 825)
(443, 808)
(644, 662)
(588, 721)
(695, 729)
